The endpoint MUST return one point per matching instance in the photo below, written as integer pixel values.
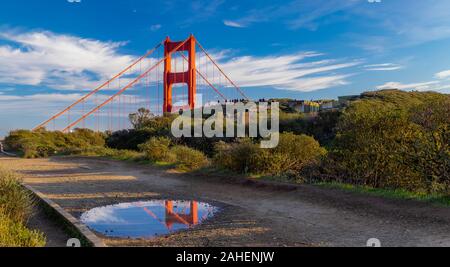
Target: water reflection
(147, 219)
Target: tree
(141, 118)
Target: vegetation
(157, 149)
(145, 128)
(129, 155)
(44, 143)
(393, 139)
(289, 158)
(435, 198)
(15, 209)
(390, 140)
(140, 119)
(15, 234)
(161, 149)
(14, 200)
(189, 159)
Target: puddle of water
(147, 219)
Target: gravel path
(251, 216)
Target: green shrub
(293, 153)
(395, 140)
(42, 143)
(14, 200)
(189, 159)
(157, 149)
(240, 157)
(15, 234)
(146, 128)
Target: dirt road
(250, 216)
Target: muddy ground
(250, 215)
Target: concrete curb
(8, 154)
(4, 152)
(73, 224)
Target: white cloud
(422, 86)
(58, 61)
(35, 105)
(295, 13)
(287, 72)
(441, 85)
(398, 23)
(411, 86)
(67, 62)
(233, 24)
(383, 67)
(443, 74)
(41, 97)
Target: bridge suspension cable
(107, 83)
(144, 75)
(121, 91)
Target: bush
(161, 149)
(395, 140)
(294, 153)
(128, 139)
(157, 149)
(14, 200)
(289, 158)
(148, 128)
(240, 157)
(42, 143)
(15, 234)
(189, 159)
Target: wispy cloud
(393, 24)
(42, 97)
(34, 105)
(58, 61)
(155, 27)
(297, 13)
(233, 24)
(442, 84)
(383, 67)
(422, 86)
(295, 72)
(403, 23)
(200, 10)
(67, 62)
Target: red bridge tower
(188, 77)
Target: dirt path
(54, 233)
(250, 216)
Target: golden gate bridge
(172, 76)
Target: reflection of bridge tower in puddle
(172, 217)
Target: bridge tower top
(188, 77)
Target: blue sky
(50, 50)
